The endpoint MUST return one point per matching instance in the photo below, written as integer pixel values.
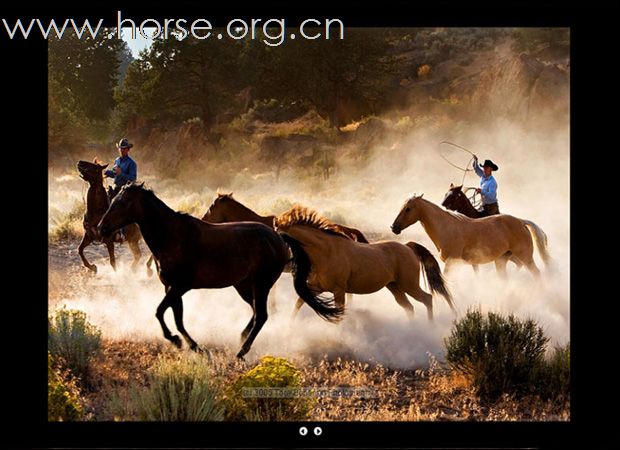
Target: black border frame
(25, 135)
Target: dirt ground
(430, 393)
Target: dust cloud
(533, 184)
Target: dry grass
(68, 227)
(434, 394)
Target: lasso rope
(466, 169)
(475, 199)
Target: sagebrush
(500, 354)
(73, 340)
(181, 389)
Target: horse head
(126, 208)
(454, 198)
(408, 215)
(91, 171)
(217, 211)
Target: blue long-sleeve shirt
(488, 186)
(129, 170)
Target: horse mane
(151, 194)
(301, 215)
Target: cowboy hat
(489, 163)
(124, 143)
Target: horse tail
(301, 266)
(541, 241)
(432, 271)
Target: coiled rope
(475, 201)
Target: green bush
(271, 372)
(500, 354)
(552, 379)
(178, 390)
(63, 401)
(74, 340)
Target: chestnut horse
(193, 254)
(494, 238)
(226, 209)
(97, 203)
(341, 265)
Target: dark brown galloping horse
(97, 203)
(193, 254)
(226, 209)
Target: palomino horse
(97, 203)
(341, 265)
(456, 200)
(226, 209)
(192, 254)
(476, 241)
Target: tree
(180, 79)
(343, 79)
(82, 74)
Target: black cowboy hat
(124, 143)
(489, 163)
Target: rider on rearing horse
(125, 169)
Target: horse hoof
(176, 340)
(93, 267)
(241, 354)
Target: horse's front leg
(86, 241)
(110, 245)
(177, 308)
(161, 309)
(500, 265)
(134, 246)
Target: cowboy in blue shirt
(488, 187)
(125, 169)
